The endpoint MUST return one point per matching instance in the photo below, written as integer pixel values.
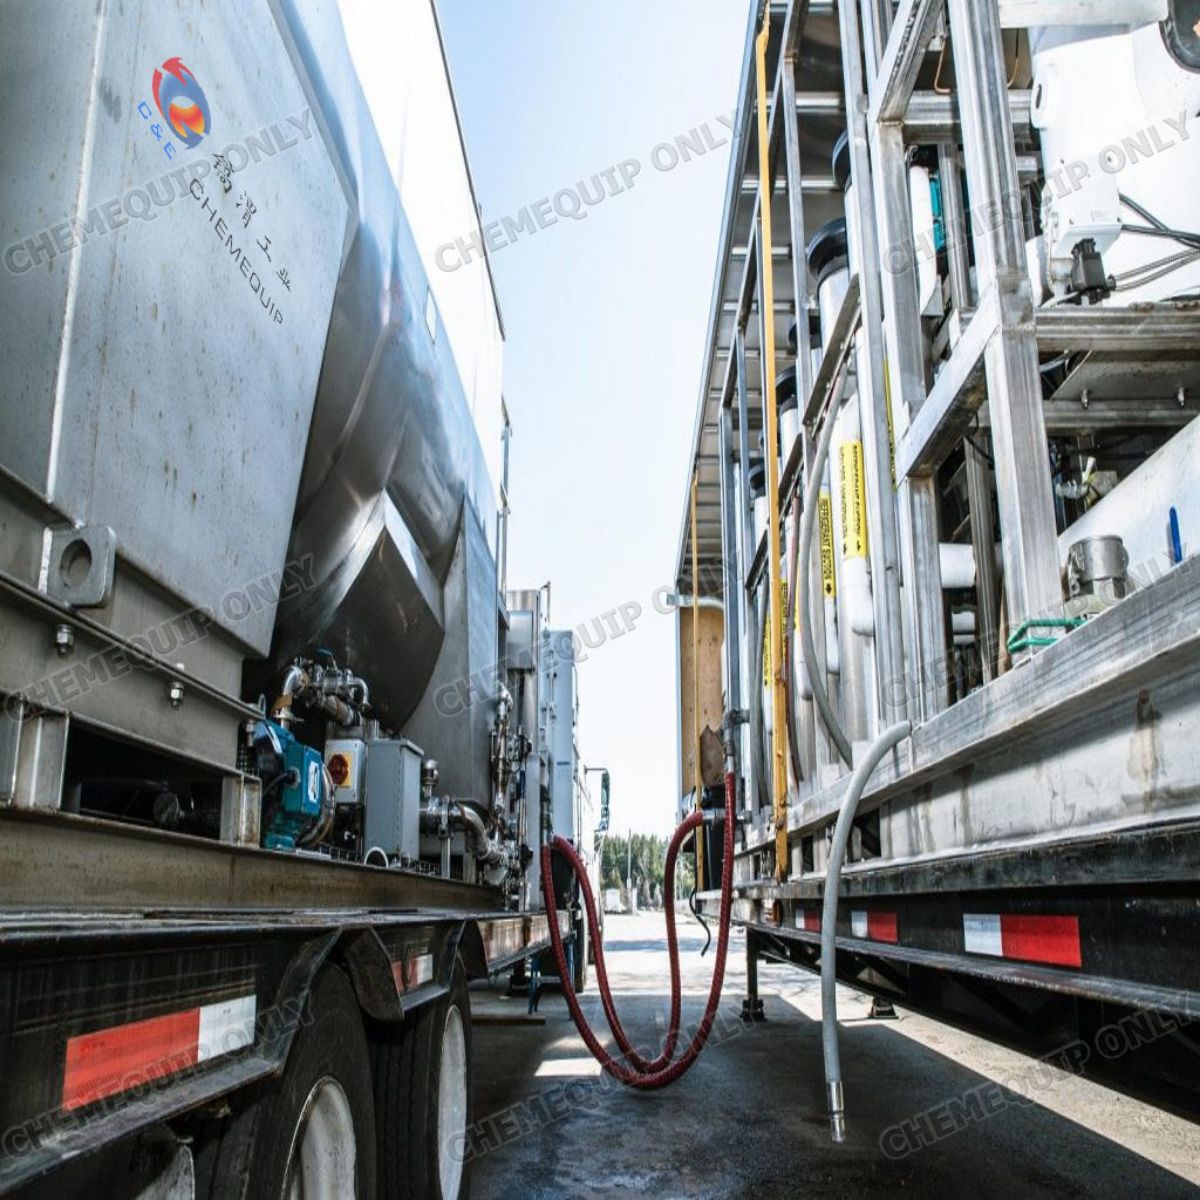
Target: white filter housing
(1138, 510)
(1117, 115)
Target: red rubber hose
(640, 1064)
(661, 1071)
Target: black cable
(290, 777)
(1144, 213)
(978, 448)
(981, 451)
(1173, 235)
(703, 923)
(1156, 228)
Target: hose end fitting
(837, 1112)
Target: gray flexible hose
(789, 653)
(808, 520)
(833, 876)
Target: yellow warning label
(768, 673)
(825, 525)
(854, 502)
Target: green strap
(1020, 640)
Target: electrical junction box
(392, 787)
(345, 759)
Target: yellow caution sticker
(825, 525)
(768, 673)
(854, 501)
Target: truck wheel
(310, 1133)
(423, 1099)
(583, 953)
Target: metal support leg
(734, 573)
(1031, 569)
(755, 764)
(924, 610)
(881, 1010)
(33, 756)
(241, 810)
(954, 222)
(775, 606)
(877, 449)
(925, 683)
(983, 541)
(801, 289)
(752, 1006)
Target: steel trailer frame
(1062, 796)
(110, 933)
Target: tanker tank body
(220, 454)
(396, 510)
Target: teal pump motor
(294, 785)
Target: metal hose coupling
(837, 1111)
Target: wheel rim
(323, 1154)
(452, 1104)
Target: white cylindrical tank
(1117, 112)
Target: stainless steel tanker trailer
(275, 746)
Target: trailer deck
(146, 975)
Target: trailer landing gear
(752, 1006)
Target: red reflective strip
(882, 927)
(127, 1056)
(1041, 939)
(398, 974)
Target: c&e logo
(182, 102)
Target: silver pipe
(833, 875)
(484, 850)
(295, 676)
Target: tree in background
(646, 860)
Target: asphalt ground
(931, 1111)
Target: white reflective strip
(420, 970)
(226, 1027)
(858, 924)
(981, 934)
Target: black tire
(248, 1155)
(418, 1142)
(583, 952)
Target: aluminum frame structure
(1045, 786)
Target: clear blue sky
(605, 320)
